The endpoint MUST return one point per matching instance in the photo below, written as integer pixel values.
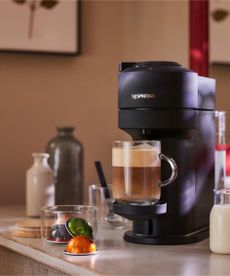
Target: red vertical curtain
(199, 36)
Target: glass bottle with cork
(66, 160)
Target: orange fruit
(80, 244)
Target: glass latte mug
(136, 171)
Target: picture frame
(219, 25)
(40, 26)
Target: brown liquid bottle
(66, 160)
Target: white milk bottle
(220, 223)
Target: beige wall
(156, 30)
(39, 92)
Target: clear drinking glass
(220, 150)
(101, 197)
(136, 171)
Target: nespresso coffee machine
(167, 102)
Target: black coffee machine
(167, 102)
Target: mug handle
(173, 166)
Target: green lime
(79, 226)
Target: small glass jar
(62, 222)
(220, 222)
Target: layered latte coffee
(136, 174)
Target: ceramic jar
(39, 185)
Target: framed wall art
(39, 26)
(219, 31)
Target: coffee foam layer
(136, 157)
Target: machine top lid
(160, 66)
(163, 84)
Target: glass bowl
(61, 223)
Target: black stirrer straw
(102, 179)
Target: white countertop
(116, 256)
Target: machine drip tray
(143, 226)
(139, 212)
(168, 240)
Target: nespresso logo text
(143, 96)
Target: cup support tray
(142, 232)
(141, 216)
